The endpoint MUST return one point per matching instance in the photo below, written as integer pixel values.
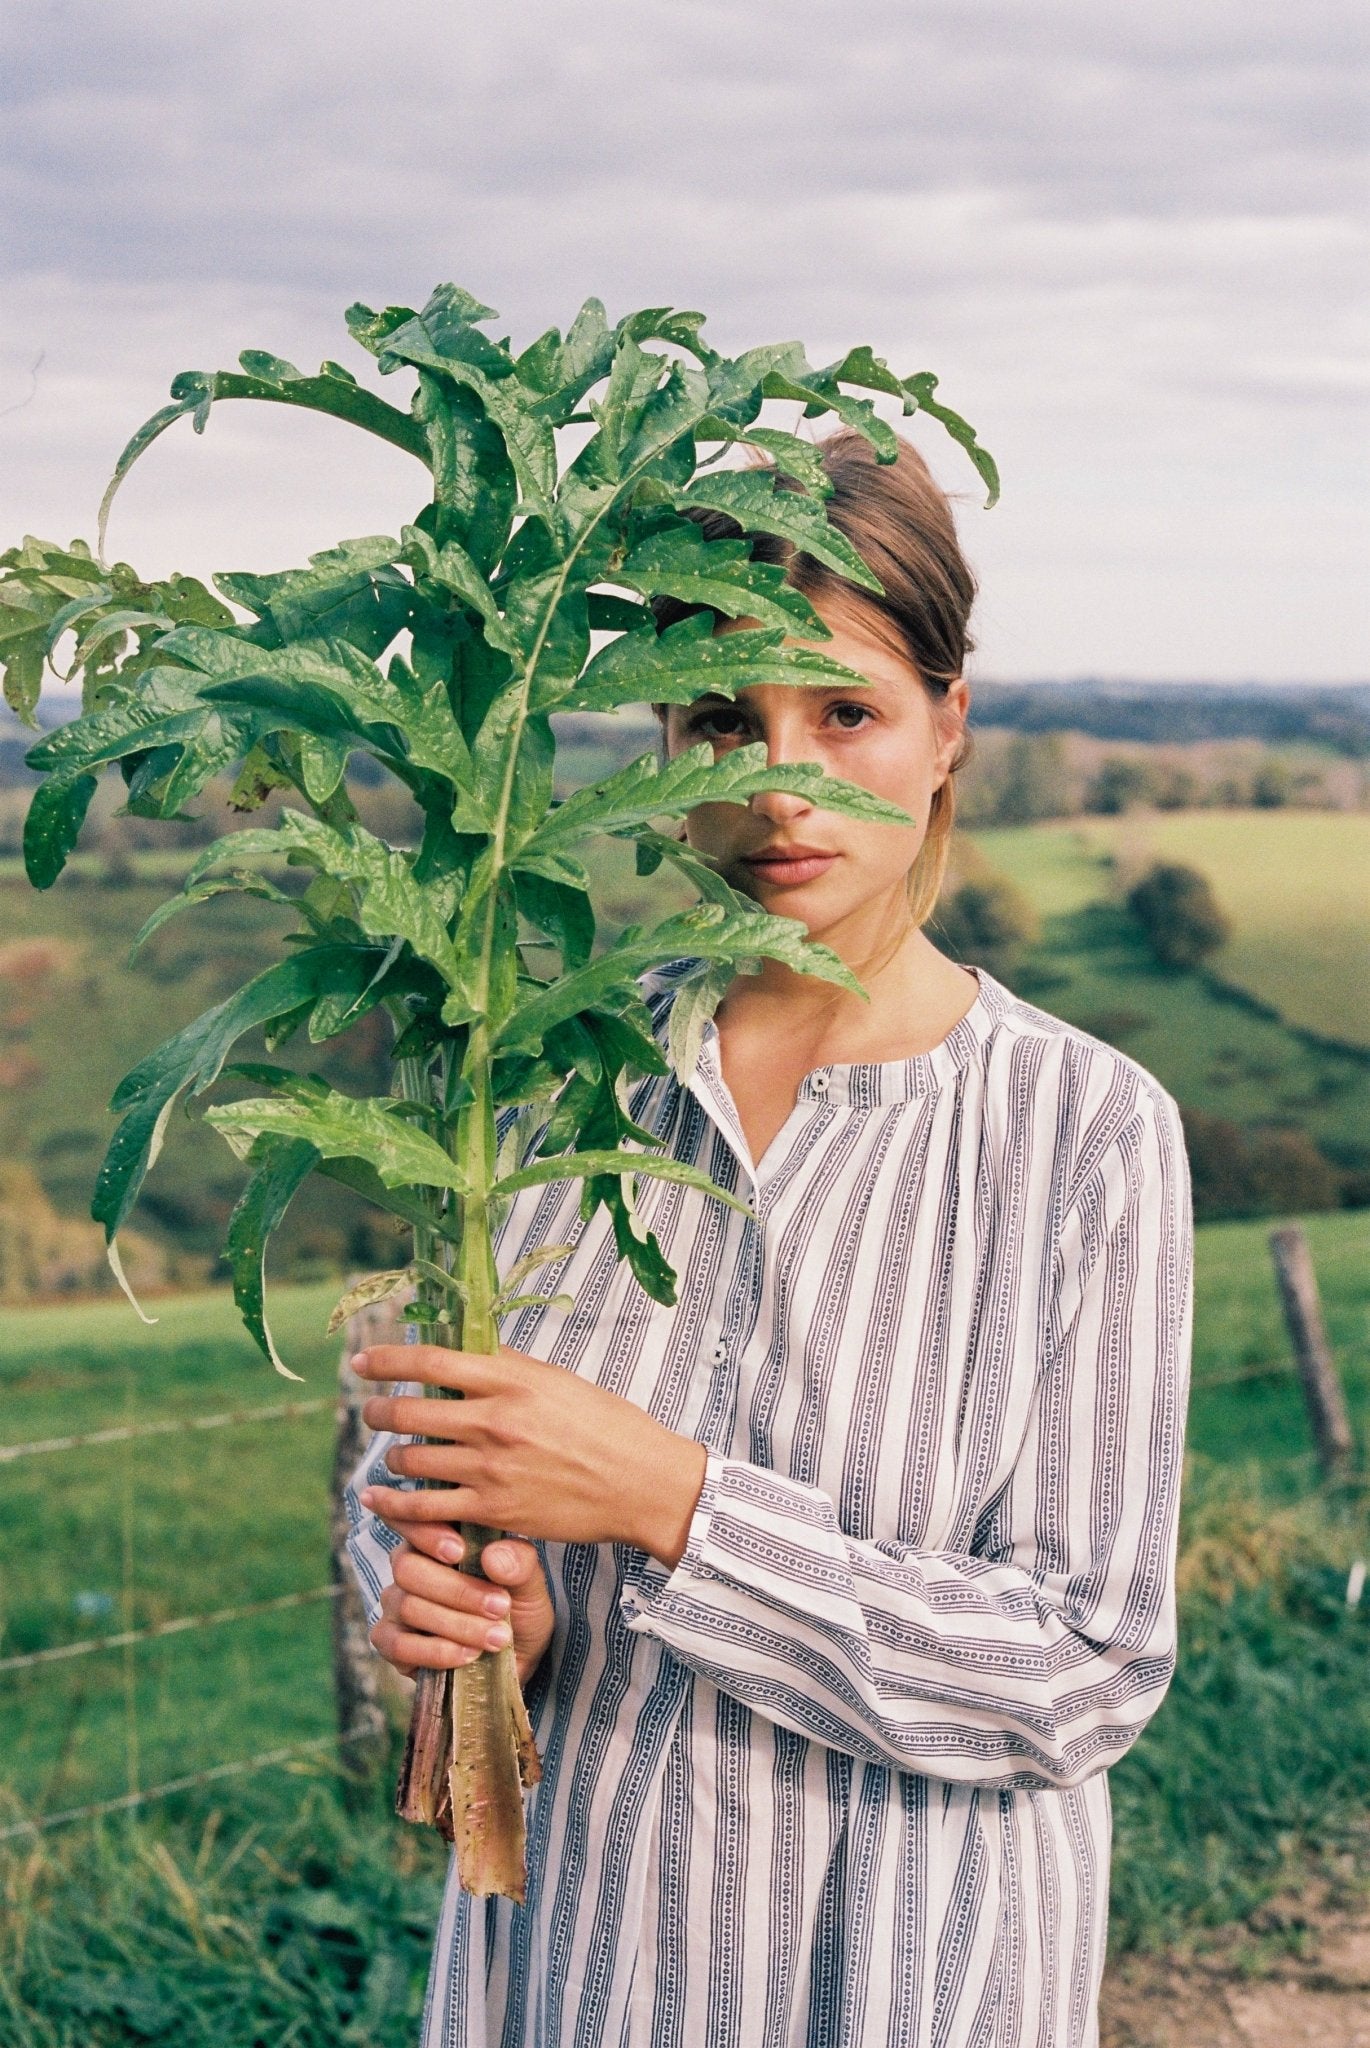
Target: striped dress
(839, 1779)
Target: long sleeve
(1038, 1656)
(371, 1542)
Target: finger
(399, 1504)
(435, 1541)
(411, 1415)
(409, 1652)
(511, 1563)
(432, 1364)
(476, 1631)
(463, 1591)
(456, 1464)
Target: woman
(853, 1571)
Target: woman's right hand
(434, 1617)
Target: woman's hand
(434, 1617)
(531, 1448)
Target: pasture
(1296, 885)
(1213, 1049)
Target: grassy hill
(1212, 1050)
(1296, 885)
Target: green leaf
(242, 881)
(648, 788)
(191, 1060)
(167, 706)
(344, 1127)
(442, 339)
(53, 824)
(750, 497)
(454, 569)
(328, 687)
(918, 393)
(280, 1167)
(24, 678)
(559, 373)
(803, 460)
(564, 914)
(351, 592)
(588, 1165)
(707, 932)
(195, 391)
(390, 903)
(696, 998)
(681, 563)
(690, 659)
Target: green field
(1296, 886)
(238, 1514)
(255, 1908)
(1213, 1051)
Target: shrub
(1264, 1172)
(1176, 908)
(987, 923)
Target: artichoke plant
(523, 588)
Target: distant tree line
(1329, 715)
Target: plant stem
(470, 1748)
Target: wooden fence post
(1322, 1390)
(362, 1726)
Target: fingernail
(498, 1638)
(497, 1603)
(451, 1550)
(366, 1497)
(358, 1362)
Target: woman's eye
(724, 724)
(851, 717)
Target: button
(819, 1084)
(720, 1354)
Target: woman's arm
(1039, 1659)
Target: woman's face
(838, 875)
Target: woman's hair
(900, 523)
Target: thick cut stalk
(470, 1749)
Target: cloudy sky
(1131, 240)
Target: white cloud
(1126, 238)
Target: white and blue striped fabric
(839, 1779)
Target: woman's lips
(790, 865)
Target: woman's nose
(779, 805)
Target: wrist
(672, 1483)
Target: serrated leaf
(243, 882)
(690, 659)
(696, 998)
(281, 1166)
(681, 563)
(919, 395)
(344, 1127)
(648, 788)
(53, 825)
(708, 932)
(750, 497)
(589, 1165)
(192, 1059)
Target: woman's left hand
(532, 1449)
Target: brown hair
(900, 523)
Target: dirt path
(1321, 1999)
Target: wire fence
(361, 1738)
